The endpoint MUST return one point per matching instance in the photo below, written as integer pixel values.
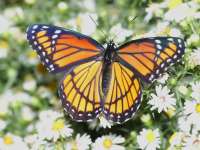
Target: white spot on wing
(45, 27)
(54, 36)
(159, 46)
(158, 41)
(175, 56)
(58, 31)
(35, 26)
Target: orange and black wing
(149, 57)
(123, 96)
(60, 49)
(80, 91)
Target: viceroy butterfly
(102, 80)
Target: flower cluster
(31, 115)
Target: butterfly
(102, 80)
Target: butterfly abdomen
(106, 77)
(109, 57)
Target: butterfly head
(111, 45)
(110, 52)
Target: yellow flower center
(163, 98)
(3, 44)
(150, 136)
(8, 140)
(107, 143)
(174, 3)
(197, 108)
(32, 54)
(58, 125)
(74, 145)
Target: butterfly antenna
(131, 20)
(103, 33)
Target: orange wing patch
(60, 49)
(123, 96)
(80, 91)
(132, 54)
(149, 57)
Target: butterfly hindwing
(149, 57)
(124, 94)
(60, 49)
(80, 91)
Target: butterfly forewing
(60, 49)
(149, 57)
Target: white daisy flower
(162, 79)
(181, 12)
(52, 128)
(109, 142)
(80, 143)
(196, 90)
(192, 111)
(192, 143)
(162, 100)
(11, 142)
(149, 139)
(194, 58)
(104, 122)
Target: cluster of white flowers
(188, 136)
(162, 100)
